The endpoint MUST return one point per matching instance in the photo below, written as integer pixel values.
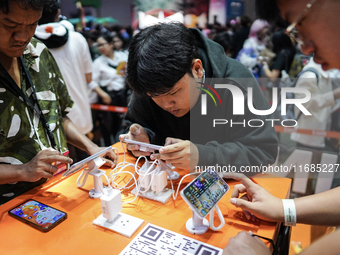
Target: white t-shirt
(320, 105)
(74, 61)
(105, 75)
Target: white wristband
(289, 212)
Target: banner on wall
(217, 11)
(235, 8)
(195, 11)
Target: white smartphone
(144, 146)
(79, 165)
(203, 193)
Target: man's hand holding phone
(179, 153)
(136, 133)
(41, 166)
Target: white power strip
(162, 196)
(123, 224)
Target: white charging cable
(211, 218)
(174, 195)
(84, 174)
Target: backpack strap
(313, 70)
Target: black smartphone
(38, 215)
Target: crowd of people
(264, 48)
(49, 75)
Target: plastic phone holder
(97, 174)
(196, 225)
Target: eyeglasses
(291, 30)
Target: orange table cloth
(77, 234)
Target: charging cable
(211, 218)
(174, 195)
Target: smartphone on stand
(204, 192)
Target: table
(77, 234)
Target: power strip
(162, 196)
(124, 224)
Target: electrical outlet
(124, 224)
(122, 221)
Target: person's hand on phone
(41, 165)
(109, 154)
(256, 202)
(181, 154)
(136, 133)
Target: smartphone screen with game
(38, 215)
(203, 193)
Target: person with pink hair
(252, 47)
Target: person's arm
(318, 209)
(39, 167)
(244, 243)
(104, 96)
(76, 138)
(88, 77)
(272, 75)
(327, 245)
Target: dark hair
(50, 11)
(107, 36)
(281, 41)
(37, 5)
(267, 9)
(283, 45)
(159, 56)
(118, 35)
(245, 21)
(223, 39)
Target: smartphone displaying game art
(204, 192)
(38, 215)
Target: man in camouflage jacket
(26, 156)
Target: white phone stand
(173, 175)
(97, 174)
(196, 225)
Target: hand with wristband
(317, 209)
(256, 202)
